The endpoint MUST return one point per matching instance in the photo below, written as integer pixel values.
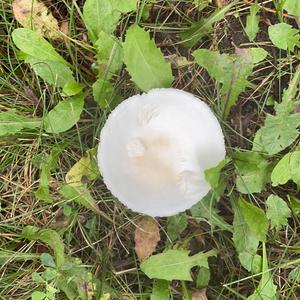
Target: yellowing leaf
(144, 61)
(35, 15)
(106, 296)
(146, 237)
(86, 166)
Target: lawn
(65, 66)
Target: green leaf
(253, 171)
(280, 130)
(72, 88)
(245, 241)
(51, 291)
(290, 93)
(86, 167)
(295, 167)
(212, 175)
(235, 81)
(37, 278)
(176, 225)
(201, 4)
(232, 73)
(255, 218)
(295, 204)
(105, 95)
(10, 256)
(29, 232)
(257, 145)
(52, 72)
(252, 22)
(278, 212)
(47, 236)
(258, 54)
(103, 15)
(49, 274)
(281, 174)
(174, 264)
(53, 239)
(109, 52)
(198, 30)
(266, 288)
(64, 115)
(203, 278)
(36, 46)
(49, 163)
(11, 123)
(252, 263)
(67, 287)
(76, 281)
(160, 290)
(205, 209)
(80, 194)
(47, 260)
(144, 61)
(292, 7)
(284, 36)
(294, 275)
(214, 62)
(38, 295)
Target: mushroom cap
(154, 149)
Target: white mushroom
(154, 149)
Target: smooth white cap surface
(154, 149)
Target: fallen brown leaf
(199, 295)
(35, 15)
(64, 28)
(146, 237)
